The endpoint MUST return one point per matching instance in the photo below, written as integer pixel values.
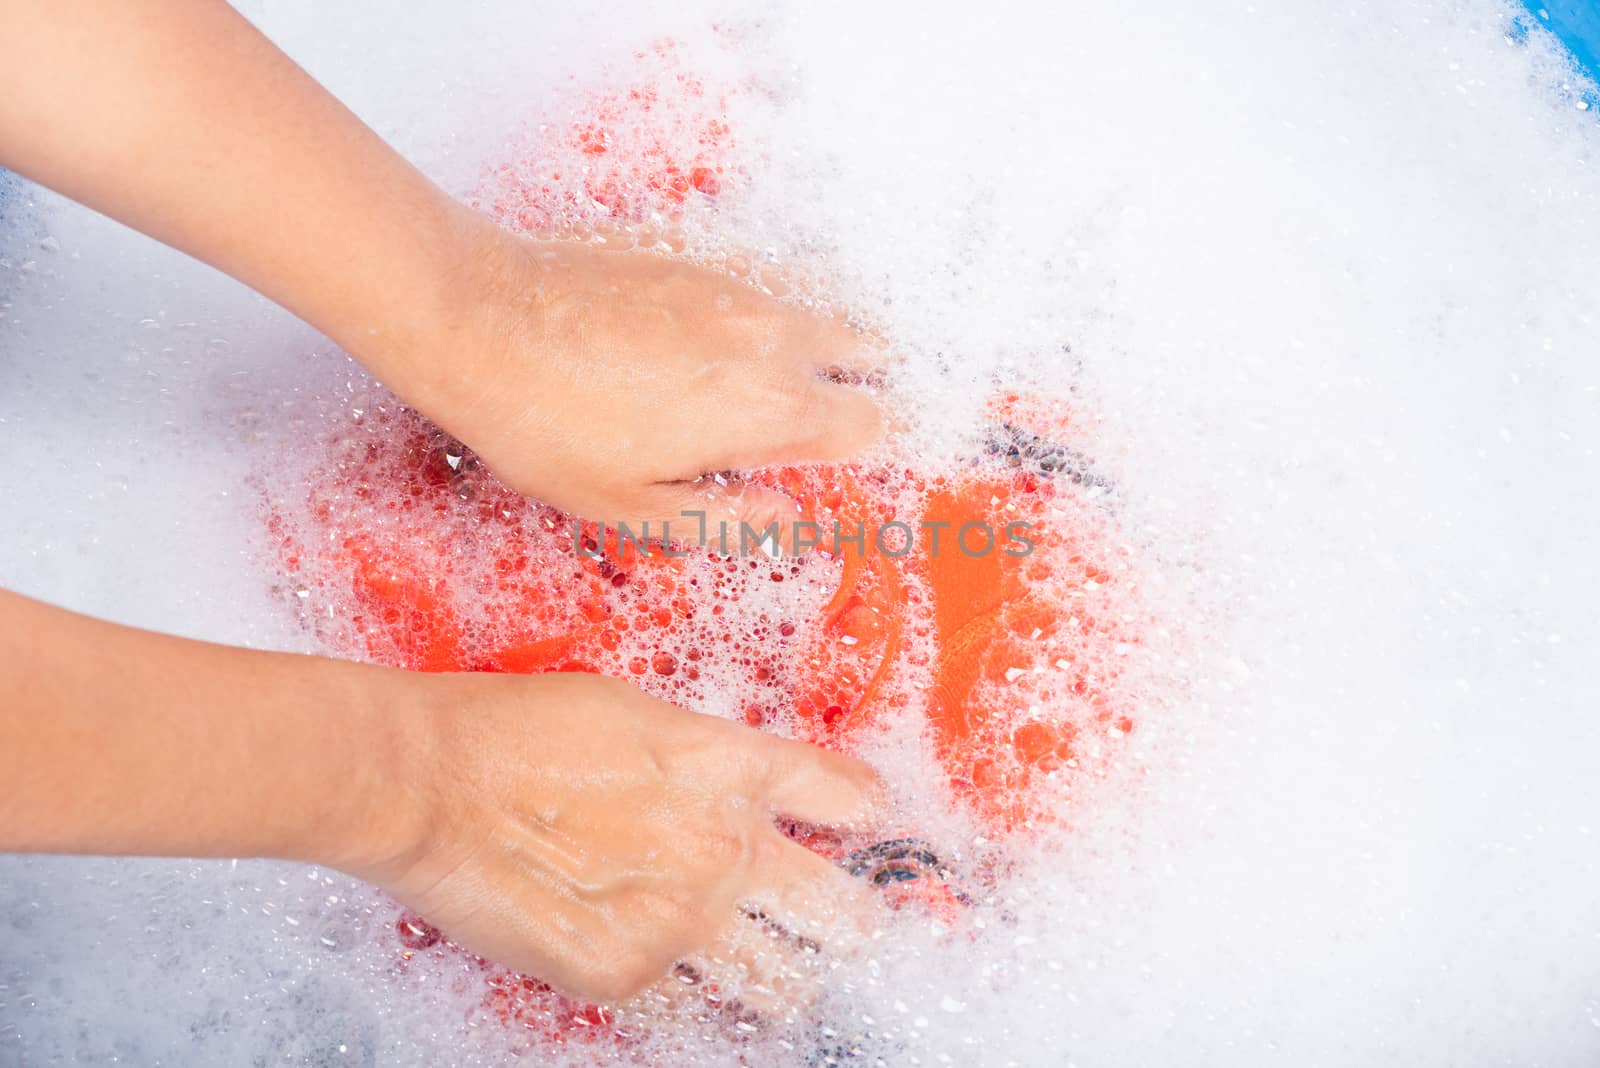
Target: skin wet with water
(1320, 276)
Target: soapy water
(1320, 283)
(1007, 650)
(1577, 26)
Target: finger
(820, 342)
(773, 278)
(806, 421)
(844, 421)
(749, 974)
(815, 785)
(811, 901)
(802, 914)
(727, 515)
(756, 969)
(805, 914)
(621, 235)
(704, 980)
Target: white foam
(1326, 273)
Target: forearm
(181, 120)
(117, 740)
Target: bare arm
(116, 740)
(566, 825)
(182, 120)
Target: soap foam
(1322, 276)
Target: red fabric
(438, 568)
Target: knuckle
(766, 853)
(694, 755)
(725, 849)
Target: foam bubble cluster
(1312, 285)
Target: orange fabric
(425, 563)
(440, 573)
(988, 616)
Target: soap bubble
(1316, 283)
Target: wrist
(384, 759)
(439, 347)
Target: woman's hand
(607, 383)
(603, 383)
(570, 826)
(566, 825)
(581, 831)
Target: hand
(604, 383)
(583, 832)
(607, 383)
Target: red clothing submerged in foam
(1010, 659)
